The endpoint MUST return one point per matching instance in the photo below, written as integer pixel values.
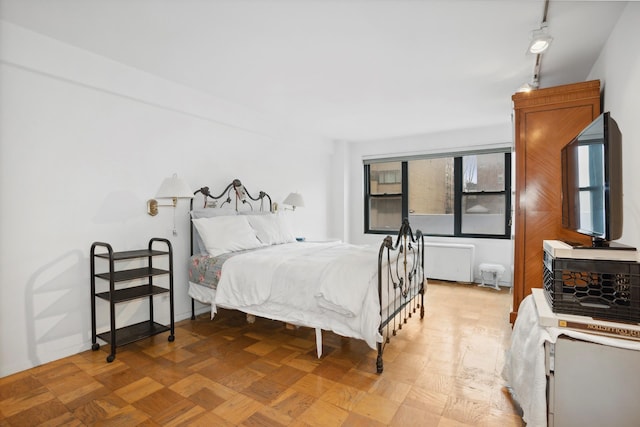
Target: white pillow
(198, 244)
(223, 234)
(272, 229)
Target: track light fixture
(540, 40)
(528, 87)
(539, 43)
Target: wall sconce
(171, 188)
(294, 200)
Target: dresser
(545, 121)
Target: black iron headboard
(235, 191)
(238, 190)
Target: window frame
(459, 193)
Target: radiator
(449, 261)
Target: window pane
(592, 187)
(483, 214)
(483, 172)
(385, 213)
(385, 178)
(431, 195)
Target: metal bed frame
(404, 282)
(401, 263)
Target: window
(466, 195)
(432, 195)
(591, 186)
(384, 204)
(484, 199)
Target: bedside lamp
(171, 188)
(294, 200)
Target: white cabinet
(592, 384)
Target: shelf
(132, 293)
(135, 332)
(143, 289)
(140, 253)
(136, 273)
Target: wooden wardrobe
(545, 121)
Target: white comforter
(323, 285)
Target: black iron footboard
(400, 281)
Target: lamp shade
(295, 200)
(174, 187)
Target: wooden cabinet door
(546, 120)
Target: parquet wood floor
(441, 371)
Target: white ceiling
(345, 69)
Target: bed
(245, 257)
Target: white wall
(495, 251)
(84, 142)
(618, 69)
